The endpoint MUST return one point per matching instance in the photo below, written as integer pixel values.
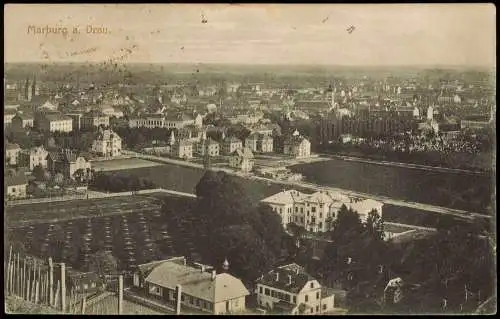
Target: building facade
(291, 290)
(230, 145)
(54, 122)
(34, 157)
(242, 159)
(316, 212)
(204, 291)
(297, 146)
(21, 121)
(182, 149)
(67, 163)
(94, 119)
(12, 152)
(107, 143)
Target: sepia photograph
(250, 159)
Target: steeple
(172, 138)
(33, 86)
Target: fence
(94, 195)
(32, 280)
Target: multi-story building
(77, 120)
(251, 141)
(94, 119)
(291, 290)
(230, 145)
(107, 143)
(259, 143)
(242, 159)
(297, 146)
(148, 121)
(8, 115)
(53, 122)
(12, 152)
(21, 121)
(180, 120)
(34, 157)
(67, 163)
(316, 212)
(265, 144)
(207, 146)
(198, 289)
(16, 184)
(475, 123)
(182, 149)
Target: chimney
(289, 279)
(184, 260)
(277, 276)
(214, 274)
(202, 268)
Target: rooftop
(285, 197)
(291, 278)
(196, 282)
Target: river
(452, 190)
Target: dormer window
(312, 284)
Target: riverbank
(461, 162)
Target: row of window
(277, 294)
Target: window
(93, 285)
(267, 292)
(317, 295)
(320, 215)
(260, 289)
(312, 310)
(324, 306)
(294, 299)
(296, 218)
(182, 297)
(191, 300)
(313, 209)
(85, 286)
(317, 308)
(197, 302)
(302, 210)
(312, 284)
(306, 298)
(307, 213)
(296, 209)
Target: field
(123, 163)
(67, 210)
(147, 234)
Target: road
(383, 199)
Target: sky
(315, 34)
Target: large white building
(107, 143)
(316, 212)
